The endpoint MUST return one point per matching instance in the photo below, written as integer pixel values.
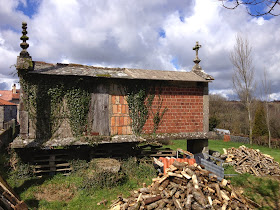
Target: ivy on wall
(158, 115)
(139, 103)
(140, 100)
(78, 100)
(50, 102)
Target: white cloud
(126, 34)
(275, 96)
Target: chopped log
(177, 194)
(195, 182)
(162, 203)
(224, 195)
(179, 165)
(186, 175)
(224, 182)
(172, 168)
(144, 190)
(152, 199)
(174, 174)
(210, 200)
(199, 197)
(164, 184)
(177, 203)
(162, 179)
(188, 202)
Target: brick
(121, 99)
(124, 130)
(120, 130)
(113, 121)
(121, 123)
(123, 109)
(114, 130)
(117, 121)
(115, 109)
(119, 107)
(113, 99)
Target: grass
(218, 145)
(262, 190)
(83, 190)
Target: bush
(103, 179)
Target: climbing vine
(78, 106)
(140, 100)
(45, 103)
(157, 115)
(139, 103)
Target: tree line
(233, 116)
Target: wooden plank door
(100, 111)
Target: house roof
(8, 95)
(6, 103)
(118, 73)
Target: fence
(240, 139)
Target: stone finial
(24, 45)
(196, 60)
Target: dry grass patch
(56, 192)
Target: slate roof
(6, 103)
(118, 73)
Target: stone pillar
(196, 146)
(205, 108)
(24, 64)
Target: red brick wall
(120, 120)
(184, 112)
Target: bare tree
(259, 7)
(265, 92)
(243, 77)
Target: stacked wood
(185, 187)
(247, 160)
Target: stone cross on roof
(196, 60)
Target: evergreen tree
(260, 127)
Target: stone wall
(184, 111)
(2, 117)
(7, 113)
(7, 136)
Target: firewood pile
(252, 161)
(185, 187)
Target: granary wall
(184, 111)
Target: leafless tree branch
(270, 5)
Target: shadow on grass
(30, 182)
(263, 190)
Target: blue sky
(28, 7)
(144, 34)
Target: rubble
(247, 160)
(185, 187)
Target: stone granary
(73, 104)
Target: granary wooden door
(100, 111)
